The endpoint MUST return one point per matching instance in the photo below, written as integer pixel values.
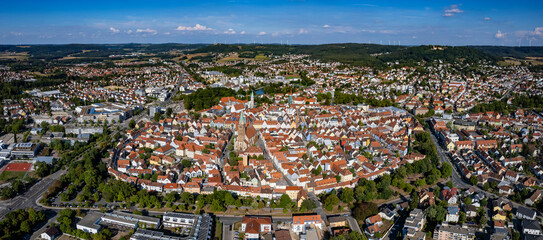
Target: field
(7, 176)
(18, 167)
(235, 57)
(515, 61)
(14, 55)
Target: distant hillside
(51, 52)
(359, 54)
(514, 52)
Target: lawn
(11, 175)
(218, 230)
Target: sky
(407, 22)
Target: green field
(11, 175)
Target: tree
(308, 205)
(157, 116)
(171, 197)
(481, 220)
(414, 200)
(25, 226)
(331, 201)
(347, 195)
(169, 112)
(354, 235)
(446, 170)
(436, 213)
(216, 206)
(285, 201)
(462, 217)
(363, 210)
(186, 163)
(132, 124)
(473, 180)
(229, 199)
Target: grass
(11, 175)
(15, 56)
(261, 57)
(218, 230)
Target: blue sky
(298, 22)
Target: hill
(514, 52)
(373, 55)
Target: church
(247, 135)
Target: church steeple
(241, 119)
(252, 104)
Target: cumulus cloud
(499, 35)
(230, 31)
(487, 18)
(452, 10)
(196, 27)
(147, 30)
(114, 30)
(302, 31)
(262, 33)
(242, 32)
(326, 26)
(129, 31)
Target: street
(30, 197)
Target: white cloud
(129, 31)
(499, 35)
(452, 10)
(302, 31)
(487, 18)
(262, 33)
(326, 26)
(230, 31)
(167, 33)
(147, 30)
(242, 32)
(196, 27)
(114, 30)
(538, 32)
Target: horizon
(413, 23)
(271, 43)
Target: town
(248, 144)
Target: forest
(206, 98)
(372, 55)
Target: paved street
(29, 198)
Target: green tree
(285, 201)
(308, 205)
(347, 195)
(446, 170)
(331, 201)
(157, 116)
(473, 180)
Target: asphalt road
(30, 197)
(455, 177)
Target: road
(458, 181)
(455, 177)
(30, 197)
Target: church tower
(240, 140)
(252, 103)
